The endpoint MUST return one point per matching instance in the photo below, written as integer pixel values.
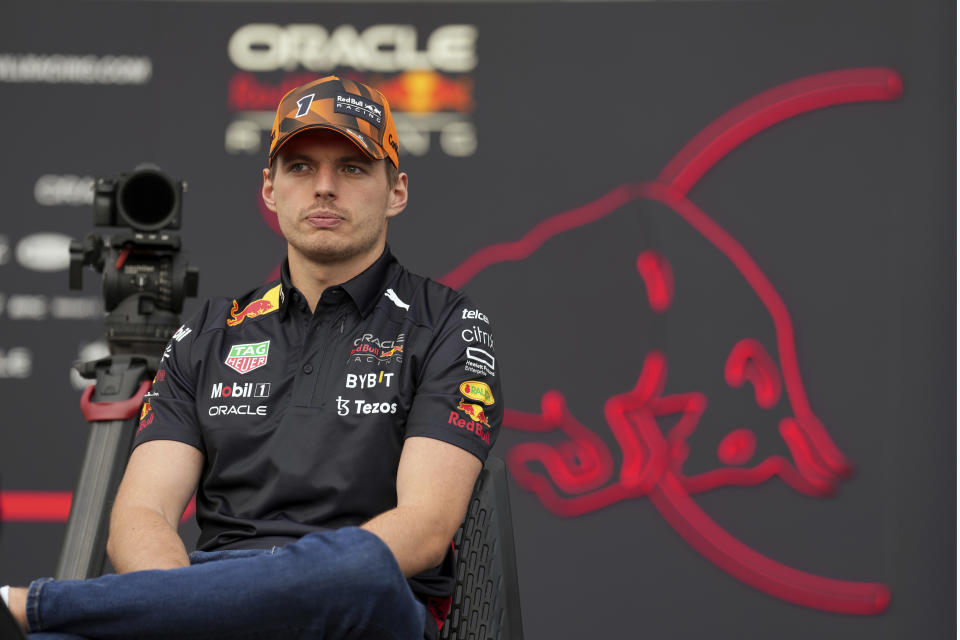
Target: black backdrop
(522, 113)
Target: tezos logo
(244, 358)
(362, 407)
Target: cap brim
(363, 143)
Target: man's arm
(434, 484)
(161, 477)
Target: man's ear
(397, 200)
(267, 191)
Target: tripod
(111, 406)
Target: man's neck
(312, 278)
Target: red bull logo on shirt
(476, 423)
(654, 428)
(146, 416)
(269, 303)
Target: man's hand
(161, 477)
(434, 484)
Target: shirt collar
(365, 289)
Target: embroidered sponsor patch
(479, 391)
(146, 416)
(244, 358)
(360, 107)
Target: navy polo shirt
(301, 416)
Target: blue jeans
(333, 584)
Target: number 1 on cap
(304, 104)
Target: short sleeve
(169, 408)
(458, 398)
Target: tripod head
(145, 278)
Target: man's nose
(325, 181)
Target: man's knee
(352, 562)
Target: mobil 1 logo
(237, 390)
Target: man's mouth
(324, 219)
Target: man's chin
(332, 252)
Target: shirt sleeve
(458, 399)
(169, 408)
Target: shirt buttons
(308, 368)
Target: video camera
(145, 277)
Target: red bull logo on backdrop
(655, 427)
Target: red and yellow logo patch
(146, 416)
(269, 303)
(479, 391)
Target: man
(332, 424)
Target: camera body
(145, 199)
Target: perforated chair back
(486, 602)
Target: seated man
(332, 424)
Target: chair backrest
(486, 601)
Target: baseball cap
(359, 112)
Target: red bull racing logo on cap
(244, 358)
(269, 303)
(652, 426)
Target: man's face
(332, 201)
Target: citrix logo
(476, 334)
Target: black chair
(486, 601)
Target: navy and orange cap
(357, 111)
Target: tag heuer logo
(247, 357)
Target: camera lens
(148, 200)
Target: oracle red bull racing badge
(269, 303)
(244, 358)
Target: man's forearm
(141, 539)
(415, 542)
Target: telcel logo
(384, 48)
